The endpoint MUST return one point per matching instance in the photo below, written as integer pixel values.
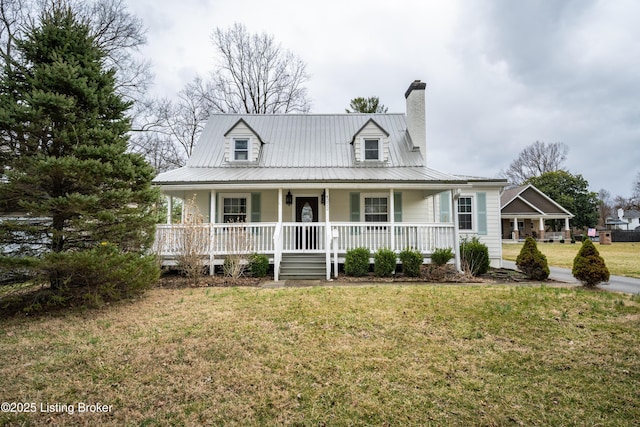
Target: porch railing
(334, 239)
(399, 236)
(216, 239)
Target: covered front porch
(330, 239)
(321, 223)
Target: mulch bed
(429, 274)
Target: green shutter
(354, 206)
(445, 207)
(255, 207)
(397, 207)
(354, 209)
(481, 205)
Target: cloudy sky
(500, 74)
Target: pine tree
(589, 267)
(532, 262)
(63, 143)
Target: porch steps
(303, 266)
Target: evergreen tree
(589, 267)
(366, 105)
(532, 262)
(63, 143)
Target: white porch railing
(217, 239)
(277, 238)
(399, 236)
(304, 237)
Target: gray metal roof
(304, 147)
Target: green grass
(622, 259)
(366, 355)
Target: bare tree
(605, 206)
(116, 32)
(535, 160)
(632, 202)
(255, 75)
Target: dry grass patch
(367, 355)
(621, 258)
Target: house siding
(492, 238)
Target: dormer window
(242, 144)
(241, 149)
(372, 149)
(371, 144)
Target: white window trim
(363, 208)
(474, 213)
(246, 196)
(363, 148)
(232, 148)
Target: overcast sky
(500, 74)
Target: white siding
(493, 238)
(370, 131)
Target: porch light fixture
(289, 198)
(323, 196)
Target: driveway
(616, 283)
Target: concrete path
(616, 283)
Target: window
(376, 209)
(371, 149)
(241, 149)
(465, 213)
(234, 209)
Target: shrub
(588, 266)
(384, 262)
(258, 265)
(356, 262)
(440, 256)
(100, 274)
(474, 256)
(411, 262)
(532, 262)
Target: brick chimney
(416, 116)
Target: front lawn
(366, 355)
(622, 259)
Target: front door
(306, 215)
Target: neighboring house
(524, 211)
(626, 220)
(633, 219)
(304, 189)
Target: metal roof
(304, 147)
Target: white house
(306, 188)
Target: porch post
(541, 229)
(392, 217)
(567, 229)
(212, 219)
(277, 243)
(456, 230)
(169, 210)
(327, 234)
(516, 234)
